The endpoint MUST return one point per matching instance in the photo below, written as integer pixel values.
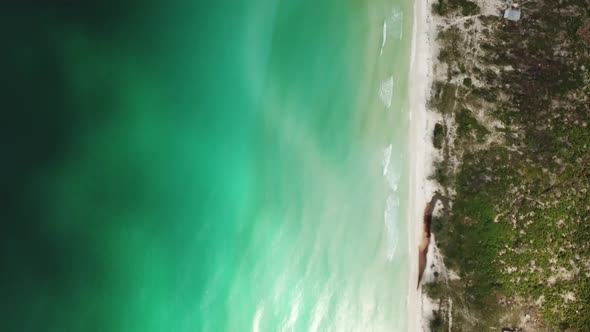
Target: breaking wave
(384, 37)
(386, 91)
(396, 23)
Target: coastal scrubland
(514, 161)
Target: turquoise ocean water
(225, 166)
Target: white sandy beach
(424, 68)
(421, 155)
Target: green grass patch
(449, 7)
(467, 126)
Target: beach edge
(421, 123)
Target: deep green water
(192, 166)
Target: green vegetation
(445, 96)
(450, 52)
(447, 7)
(517, 233)
(441, 173)
(438, 135)
(467, 125)
(467, 82)
(436, 324)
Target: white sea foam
(390, 171)
(396, 23)
(289, 324)
(386, 159)
(393, 180)
(384, 37)
(392, 204)
(386, 91)
(257, 318)
(320, 311)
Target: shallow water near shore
(328, 248)
(250, 173)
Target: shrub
(467, 82)
(469, 8)
(467, 125)
(438, 135)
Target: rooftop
(512, 13)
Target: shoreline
(498, 133)
(421, 155)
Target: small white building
(512, 13)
